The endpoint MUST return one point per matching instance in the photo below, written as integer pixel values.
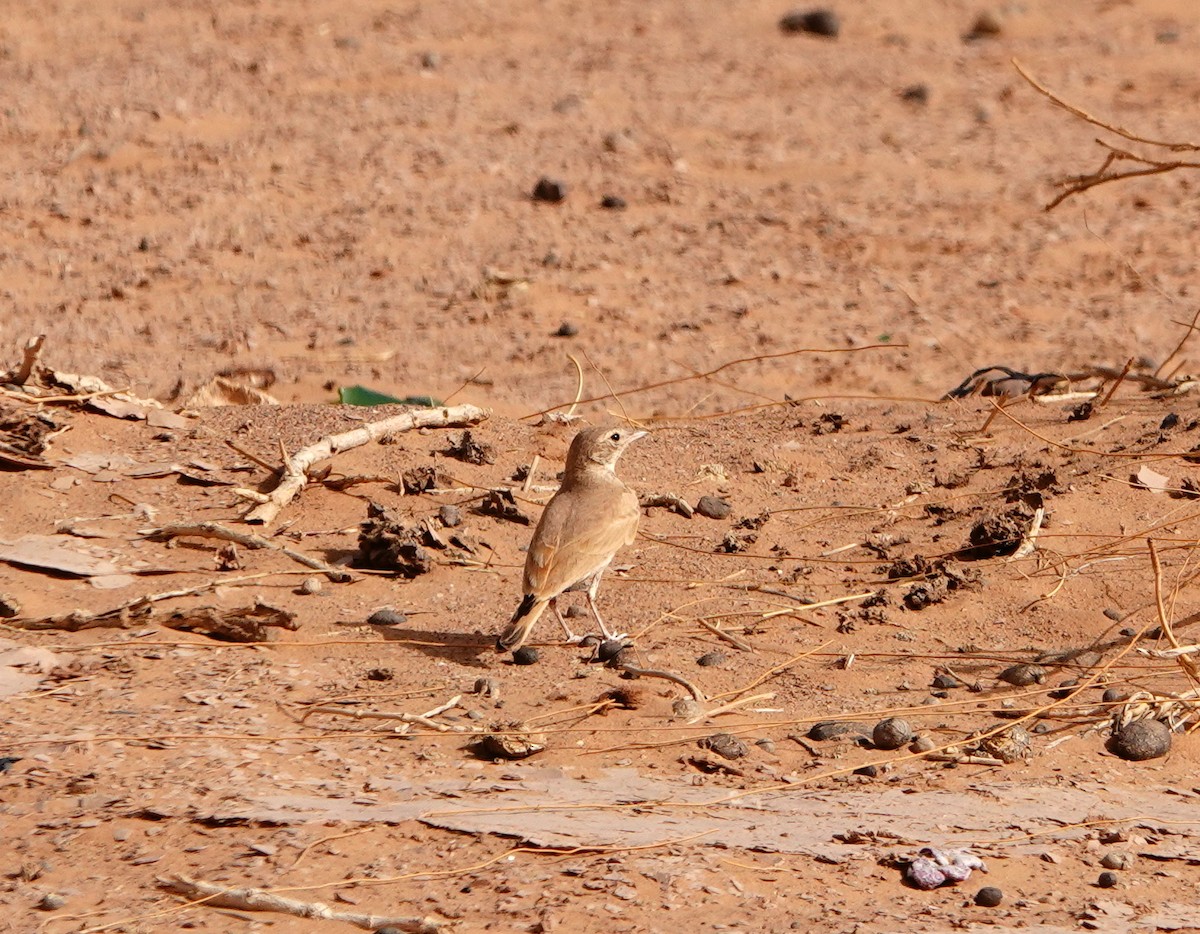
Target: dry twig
(296, 466)
(250, 899)
(249, 540)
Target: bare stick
(735, 641)
(668, 501)
(33, 350)
(1096, 121)
(1029, 539)
(697, 694)
(733, 705)
(248, 899)
(296, 467)
(424, 719)
(249, 540)
(131, 611)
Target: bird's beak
(637, 434)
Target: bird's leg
(591, 598)
(571, 637)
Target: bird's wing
(577, 537)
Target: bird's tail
(522, 623)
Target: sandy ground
(339, 194)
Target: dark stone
(566, 329)
(891, 733)
(710, 659)
(386, 616)
(818, 22)
(1108, 880)
(613, 203)
(549, 190)
(1141, 740)
(916, 94)
(988, 897)
(712, 507)
(450, 516)
(525, 655)
(609, 649)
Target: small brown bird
(586, 522)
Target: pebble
(380, 674)
(613, 203)
(987, 26)
(525, 655)
(1108, 880)
(922, 744)
(916, 94)
(1141, 740)
(610, 649)
(818, 22)
(1114, 695)
(311, 586)
(712, 507)
(1023, 675)
(486, 687)
(989, 897)
(870, 771)
(1117, 859)
(386, 616)
(567, 329)
(709, 659)
(450, 516)
(550, 190)
(943, 681)
(1064, 689)
(891, 733)
(51, 901)
(765, 743)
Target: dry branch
(295, 468)
(249, 540)
(248, 899)
(1075, 184)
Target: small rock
(944, 682)
(712, 507)
(430, 61)
(51, 901)
(891, 733)
(1141, 740)
(549, 190)
(916, 94)
(987, 26)
(386, 616)
(1117, 859)
(1114, 695)
(832, 729)
(765, 743)
(1064, 689)
(450, 516)
(1108, 880)
(818, 22)
(613, 203)
(709, 659)
(922, 744)
(311, 586)
(725, 745)
(525, 655)
(610, 649)
(685, 707)
(870, 771)
(380, 674)
(566, 329)
(1023, 675)
(988, 897)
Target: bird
(591, 517)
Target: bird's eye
(615, 436)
